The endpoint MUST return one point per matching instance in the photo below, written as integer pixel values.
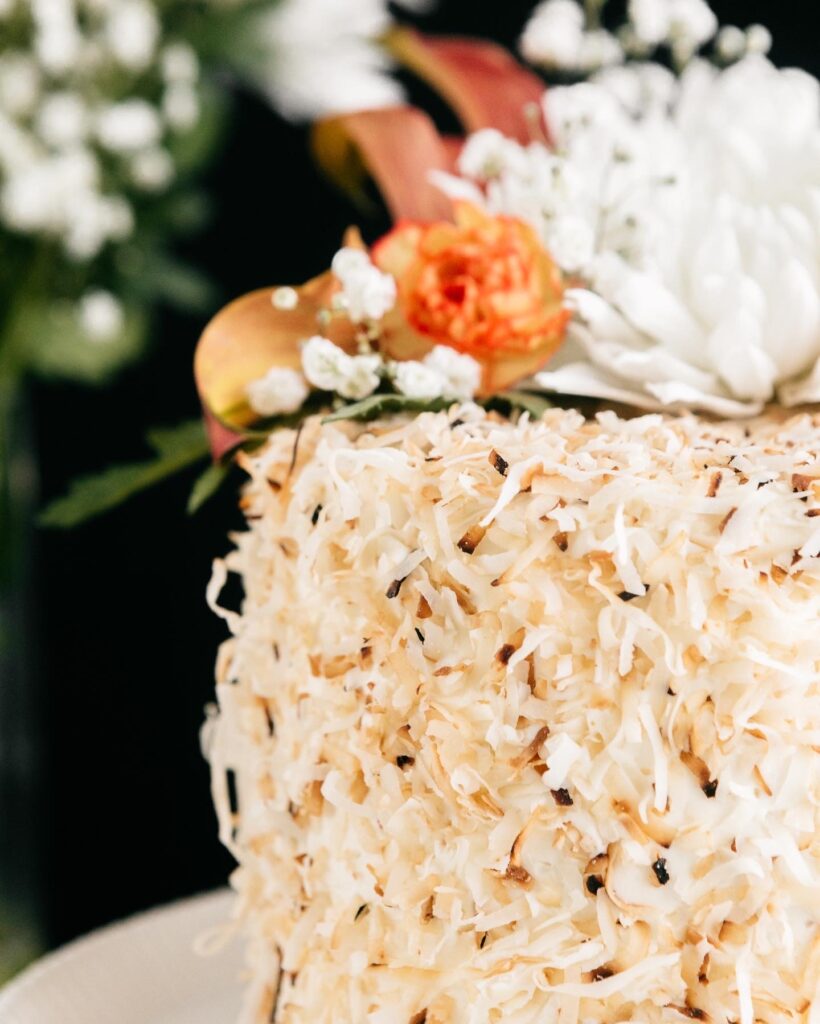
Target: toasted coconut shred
(564, 770)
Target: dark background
(124, 645)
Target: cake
(519, 718)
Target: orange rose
(484, 285)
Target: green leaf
(175, 448)
(526, 401)
(380, 405)
(207, 484)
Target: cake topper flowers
(442, 312)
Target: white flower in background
(62, 120)
(101, 315)
(129, 126)
(731, 43)
(179, 63)
(557, 37)
(20, 83)
(329, 368)
(565, 35)
(367, 293)
(324, 56)
(691, 212)
(56, 120)
(488, 154)
(152, 170)
(553, 34)
(758, 39)
(460, 374)
(649, 20)
(279, 392)
(57, 37)
(691, 24)
(132, 32)
(181, 106)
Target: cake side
(524, 720)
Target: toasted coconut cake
(520, 721)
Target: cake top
(649, 236)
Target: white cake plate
(142, 971)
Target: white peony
(279, 392)
(367, 293)
(702, 197)
(329, 368)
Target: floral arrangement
(646, 236)
(661, 248)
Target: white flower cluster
(325, 57)
(690, 209)
(61, 129)
(565, 35)
(77, 140)
(367, 293)
(443, 373)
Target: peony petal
(803, 391)
(794, 314)
(734, 347)
(646, 303)
(675, 395)
(588, 381)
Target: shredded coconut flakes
(567, 771)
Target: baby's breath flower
(460, 374)
(415, 380)
(20, 82)
(329, 368)
(179, 63)
(731, 43)
(129, 126)
(62, 120)
(152, 169)
(101, 315)
(280, 392)
(132, 33)
(758, 39)
(367, 293)
(180, 106)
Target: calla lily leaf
(481, 81)
(397, 147)
(246, 339)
